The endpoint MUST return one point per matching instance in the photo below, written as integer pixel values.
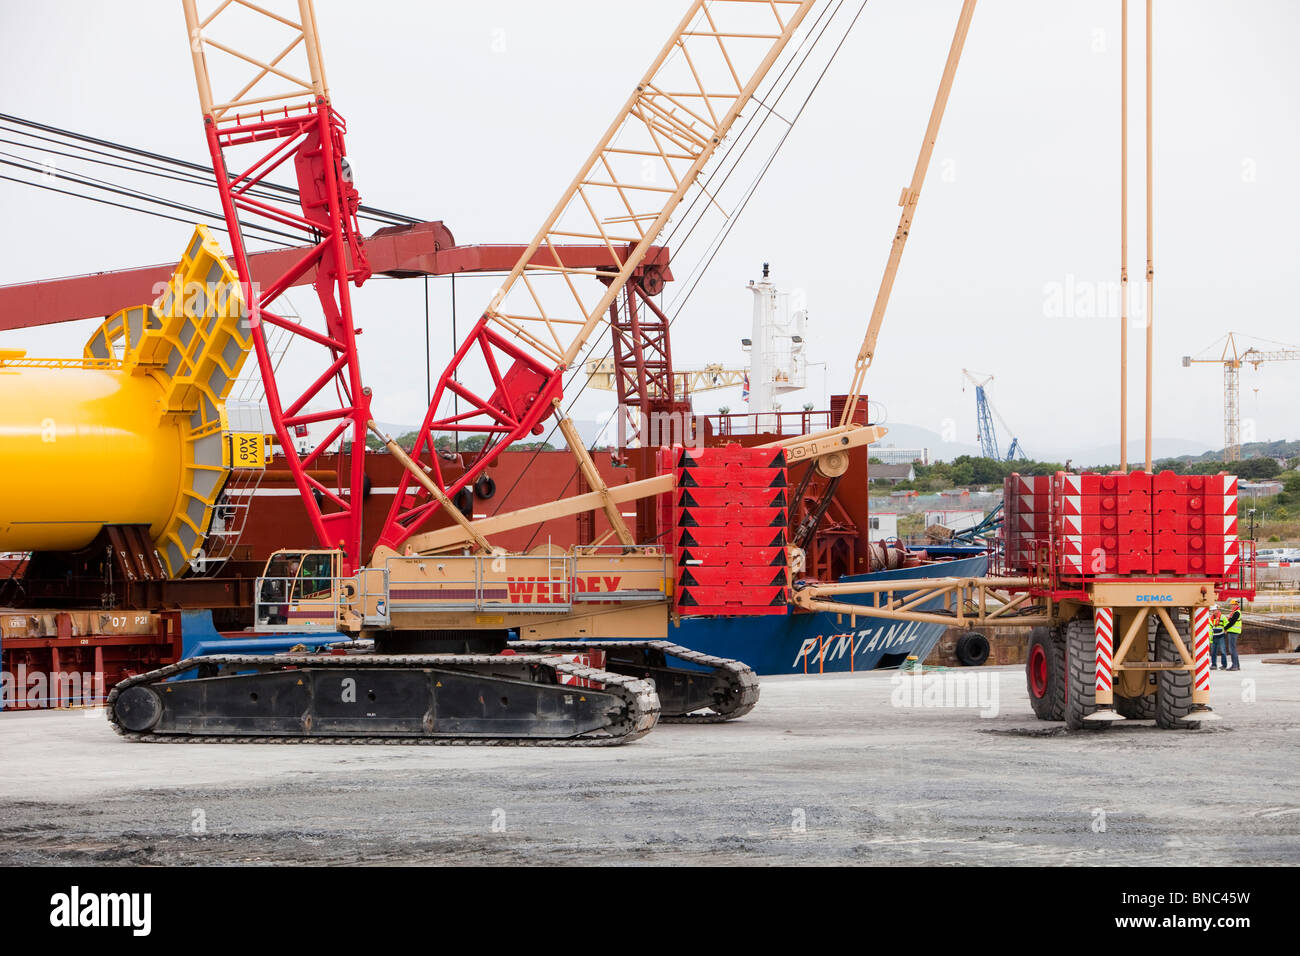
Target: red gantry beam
(422, 249)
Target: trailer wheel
(1142, 707)
(1045, 673)
(1173, 688)
(972, 649)
(1081, 687)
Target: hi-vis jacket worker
(1231, 631)
(1218, 645)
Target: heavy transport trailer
(1117, 598)
(1121, 650)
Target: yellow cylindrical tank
(81, 448)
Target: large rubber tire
(1081, 668)
(1143, 707)
(1174, 688)
(972, 649)
(464, 502)
(1136, 708)
(1045, 673)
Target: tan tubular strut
(908, 201)
(466, 526)
(592, 476)
(444, 538)
(797, 448)
(1123, 240)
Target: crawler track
(449, 700)
(726, 691)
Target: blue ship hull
(814, 643)
(791, 643)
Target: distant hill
(1255, 449)
(1108, 454)
(902, 435)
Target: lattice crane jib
(266, 108)
(541, 318)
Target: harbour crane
(1232, 358)
(985, 413)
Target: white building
(954, 519)
(882, 526)
(889, 455)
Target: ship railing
(769, 423)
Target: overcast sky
(478, 114)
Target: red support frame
(643, 365)
(523, 394)
(336, 254)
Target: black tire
(972, 649)
(464, 502)
(1045, 673)
(485, 487)
(1081, 668)
(1174, 688)
(1142, 707)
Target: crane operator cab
(298, 589)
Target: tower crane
(1232, 358)
(985, 413)
(602, 375)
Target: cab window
(314, 577)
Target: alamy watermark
(36, 688)
(976, 690)
(663, 429)
(1077, 298)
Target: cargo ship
(260, 517)
(45, 594)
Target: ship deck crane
(601, 374)
(1232, 358)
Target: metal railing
(769, 423)
(621, 584)
(479, 583)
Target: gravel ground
(825, 770)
